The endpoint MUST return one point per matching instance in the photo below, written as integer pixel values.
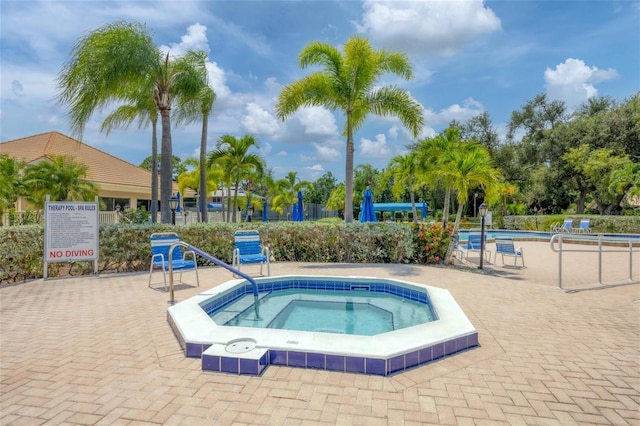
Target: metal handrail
(600, 239)
(218, 262)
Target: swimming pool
(442, 328)
(358, 311)
(546, 236)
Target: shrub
(431, 242)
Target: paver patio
(98, 350)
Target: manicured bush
(126, 248)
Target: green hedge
(126, 248)
(598, 223)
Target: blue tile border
(330, 362)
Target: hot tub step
(218, 358)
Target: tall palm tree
(114, 64)
(62, 178)
(467, 166)
(145, 110)
(350, 82)
(190, 110)
(234, 155)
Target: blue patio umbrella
(299, 209)
(367, 213)
(178, 208)
(424, 209)
(264, 211)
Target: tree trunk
(235, 202)
(154, 171)
(202, 191)
(166, 168)
(229, 203)
(445, 209)
(412, 197)
(348, 179)
(580, 201)
(454, 235)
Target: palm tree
(145, 110)
(350, 82)
(62, 178)
(233, 154)
(115, 63)
(11, 181)
(336, 199)
(403, 169)
(191, 178)
(626, 181)
(430, 151)
(189, 110)
(288, 191)
(466, 167)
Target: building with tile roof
(119, 183)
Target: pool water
(365, 314)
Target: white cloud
(322, 153)
(572, 81)
(258, 121)
(427, 27)
(393, 132)
(469, 109)
(316, 168)
(265, 150)
(194, 39)
(317, 121)
(217, 81)
(375, 149)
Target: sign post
(70, 232)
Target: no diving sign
(70, 232)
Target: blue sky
(468, 57)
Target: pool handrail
(218, 262)
(600, 239)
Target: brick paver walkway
(99, 351)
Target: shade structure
(298, 211)
(424, 209)
(367, 214)
(264, 211)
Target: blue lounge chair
(248, 250)
(584, 226)
(473, 245)
(566, 226)
(161, 243)
(505, 247)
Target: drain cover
(241, 346)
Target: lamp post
(483, 212)
(173, 205)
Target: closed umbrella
(178, 208)
(367, 213)
(264, 211)
(424, 210)
(299, 209)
